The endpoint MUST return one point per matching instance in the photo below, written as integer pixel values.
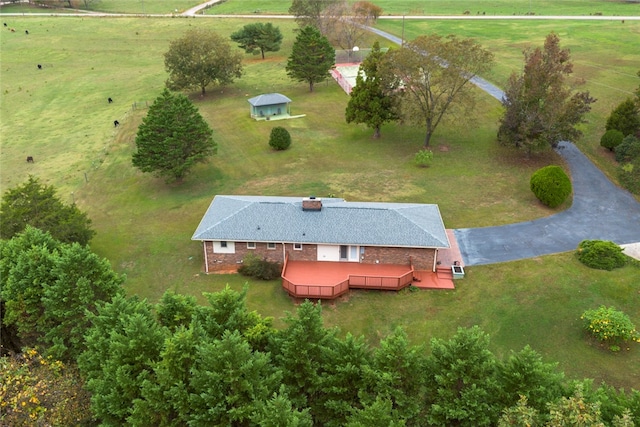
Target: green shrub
(601, 254)
(628, 149)
(423, 158)
(611, 139)
(610, 326)
(280, 138)
(551, 185)
(253, 266)
(629, 175)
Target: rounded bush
(551, 185)
(610, 326)
(601, 254)
(628, 149)
(280, 138)
(611, 139)
(423, 158)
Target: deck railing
(380, 282)
(359, 281)
(315, 291)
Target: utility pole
(402, 44)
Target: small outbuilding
(268, 105)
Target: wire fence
(353, 56)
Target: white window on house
(297, 246)
(223, 244)
(251, 245)
(271, 245)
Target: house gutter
(435, 260)
(206, 258)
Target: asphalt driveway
(600, 210)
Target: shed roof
(281, 219)
(268, 99)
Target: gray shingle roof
(281, 219)
(268, 99)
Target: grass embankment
(60, 116)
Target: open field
(458, 7)
(389, 7)
(61, 117)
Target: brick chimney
(311, 204)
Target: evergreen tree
(625, 118)
(342, 380)
(200, 58)
(461, 381)
(279, 412)
(258, 38)
(524, 374)
(123, 345)
(370, 100)
(172, 138)
(49, 287)
(37, 205)
(399, 374)
(299, 352)
(229, 380)
(311, 57)
(540, 109)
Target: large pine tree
(311, 57)
(172, 138)
(370, 103)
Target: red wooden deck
(329, 280)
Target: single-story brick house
(329, 233)
(269, 104)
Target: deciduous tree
(309, 12)
(172, 138)
(540, 108)
(434, 75)
(200, 58)
(258, 38)
(37, 204)
(371, 102)
(311, 57)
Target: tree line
(86, 345)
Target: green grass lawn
(60, 115)
(448, 7)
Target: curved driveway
(600, 210)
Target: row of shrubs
(621, 137)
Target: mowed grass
(604, 53)
(60, 115)
(448, 7)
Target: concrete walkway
(600, 211)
